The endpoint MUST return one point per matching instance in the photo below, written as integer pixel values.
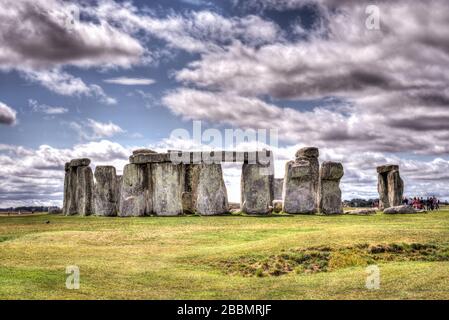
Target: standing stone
(301, 182)
(278, 185)
(85, 190)
(168, 185)
(106, 197)
(329, 196)
(192, 177)
(134, 191)
(66, 195)
(118, 185)
(256, 189)
(78, 188)
(390, 186)
(211, 194)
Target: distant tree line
(27, 209)
(361, 203)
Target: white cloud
(95, 130)
(36, 176)
(7, 114)
(130, 81)
(43, 108)
(65, 84)
(104, 130)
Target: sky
(368, 85)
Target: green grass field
(229, 257)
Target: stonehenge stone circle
(177, 182)
(329, 195)
(390, 186)
(301, 182)
(106, 191)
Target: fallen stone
(168, 185)
(256, 189)
(277, 206)
(404, 209)
(211, 192)
(106, 196)
(329, 195)
(367, 211)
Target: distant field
(235, 257)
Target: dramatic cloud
(130, 81)
(7, 115)
(39, 34)
(196, 31)
(392, 83)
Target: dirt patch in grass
(323, 259)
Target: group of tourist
(431, 203)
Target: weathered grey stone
(79, 162)
(301, 182)
(277, 206)
(70, 194)
(135, 190)
(84, 190)
(364, 211)
(168, 185)
(211, 198)
(192, 177)
(208, 157)
(118, 185)
(307, 153)
(66, 195)
(106, 195)
(387, 168)
(390, 186)
(257, 189)
(187, 206)
(404, 209)
(329, 195)
(278, 185)
(143, 151)
(144, 158)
